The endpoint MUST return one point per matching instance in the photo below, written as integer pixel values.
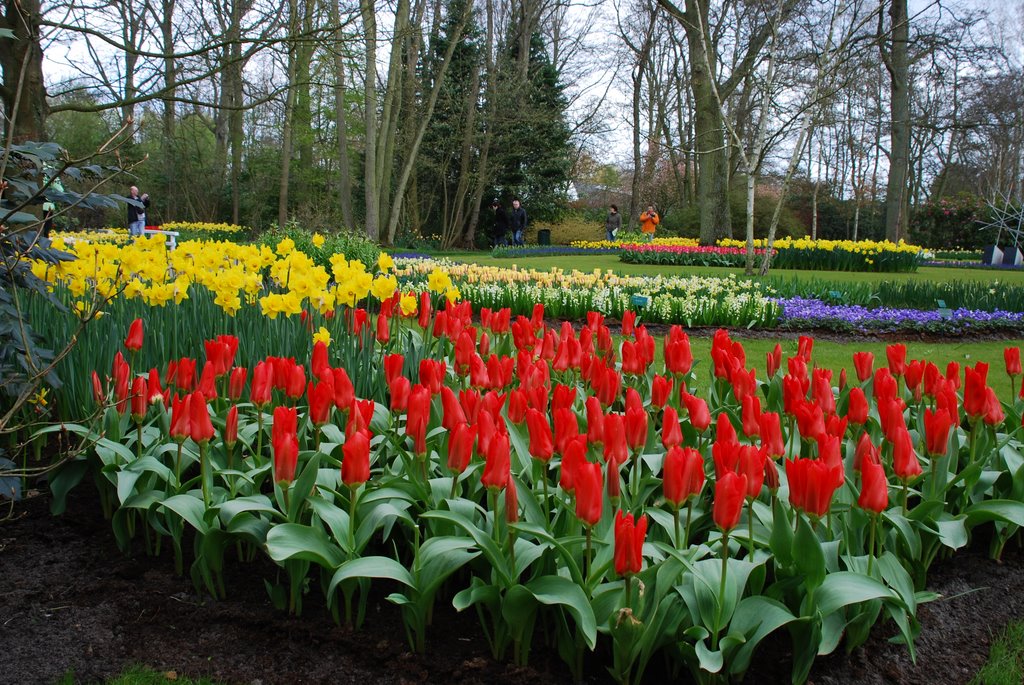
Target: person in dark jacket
(613, 223)
(137, 215)
(500, 223)
(517, 222)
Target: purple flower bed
(798, 312)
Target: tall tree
(895, 46)
(23, 90)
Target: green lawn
(1005, 664)
(588, 263)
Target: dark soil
(70, 601)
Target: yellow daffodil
(408, 304)
(385, 262)
(322, 335)
(318, 240)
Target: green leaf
(846, 588)
(808, 554)
(232, 508)
(1007, 511)
(480, 538)
(558, 590)
(189, 508)
(781, 539)
(371, 567)
(755, 617)
(296, 541)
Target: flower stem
(689, 515)
(721, 591)
(871, 542)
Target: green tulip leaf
(288, 541)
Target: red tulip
(418, 417)
(259, 393)
(180, 412)
(399, 389)
(830, 451)
(953, 375)
(751, 415)
(296, 383)
(975, 385)
(661, 391)
(517, 406)
(810, 420)
(616, 451)
(866, 451)
(451, 411)
(122, 382)
(821, 386)
(896, 354)
(697, 410)
(497, 465)
(864, 363)
(628, 323)
(671, 433)
(629, 543)
(344, 391)
(771, 434)
(567, 428)
(231, 427)
(355, 461)
(682, 475)
(1011, 355)
(635, 421)
(460, 447)
(589, 487)
(236, 383)
(724, 430)
(773, 361)
(812, 482)
(208, 381)
(541, 441)
(874, 488)
(993, 414)
(98, 393)
(133, 341)
(575, 454)
(154, 393)
(320, 363)
(751, 464)
(286, 459)
(139, 401)
(199, 424)
(937, 425)
(914, 376)
(857, 407)
(730, 491)
(321, 400)
(904, 460)
(678, 356)
(595, 421)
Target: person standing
(613, 223)
(648, 221)
(500, 223)
(517, 222)
(137, 215)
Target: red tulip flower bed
(560, 485)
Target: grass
(1005, 665)
(141, 675)
(587, 263)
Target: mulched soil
(69, 600)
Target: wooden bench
(172, 236)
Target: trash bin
(544, 236)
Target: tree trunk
(169, 113)
(21, 58)
(371, 191)
(341, 123)
(289, 116)
(898, 64)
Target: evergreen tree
(533, 151)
